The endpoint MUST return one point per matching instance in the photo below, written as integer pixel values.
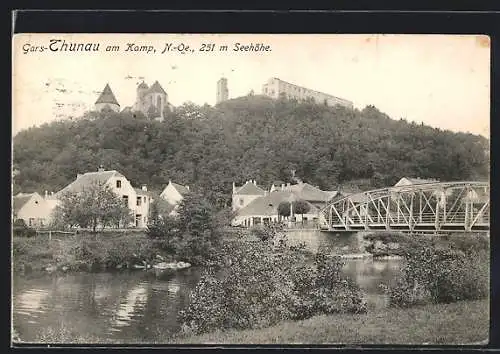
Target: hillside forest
(251, 137)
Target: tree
(284, 209)
(301, 207)
(96, 205)
(200, 229)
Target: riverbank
(83, 252)
(463, 322)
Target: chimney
(234, 187)
(282, 186)
(144, 188)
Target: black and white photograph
(310, 189)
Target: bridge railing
(450, 204)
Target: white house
(245, 194)
(173, 194)
(264, 209)
(32, 208)
(137, 200)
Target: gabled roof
(156, 87)
(107, 96)
(87, 179)
(268, 205)
(20, 200)
(308, 192)
(180, 188)
(413, 180)
(249, 189)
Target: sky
(440, 80)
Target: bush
(258, 284)
(20, 229)
(432, 275)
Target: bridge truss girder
(448, 206)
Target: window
(125, 199)
(31, 222)
(158, 102)
(139, 199)
(118, 183)
(242, 201)
(144, 200)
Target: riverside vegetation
(268, 291)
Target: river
(135, 306)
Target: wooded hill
(252, 137)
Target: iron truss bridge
(433, 207)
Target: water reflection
(124, 305)
(135, 306)
(135, 300)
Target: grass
(459, 323)
(464, 322)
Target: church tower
(142, 90)
(107, 101)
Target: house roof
(156, 87)
(107, 96)
(413, 180)
(268, 205)
(139, 191)
(180, 188)
(143, 85)
(310, 193)
(20, 200)
(249, 189)
(87, 179)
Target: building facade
(222, 90)
(137, 200)
(255, 206)
(173, 194)
(275, 88)
(152, 101)
(245, 194)
(32, 209)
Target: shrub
(441, 276)
(20, 229)
(258, 284)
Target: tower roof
(107, 96)
(143, 85)
(156, 87)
